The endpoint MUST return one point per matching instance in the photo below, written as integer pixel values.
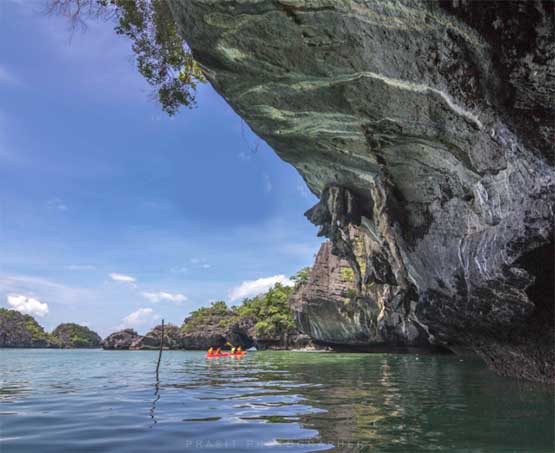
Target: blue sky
(113, 214)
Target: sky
(113, 214)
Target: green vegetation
(362, 267)
(347, 274)
(270, 311)
(22, 331)
(207, 315)
(268, 314)
(162, 56)
(72, 335)
(302, 277)
(36, 330)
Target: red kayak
(225, 354)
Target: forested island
(18, 330)
(265, 321)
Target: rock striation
(332, 311)
(426, 128)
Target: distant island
(265, 322)
(71, 335)
(18, 330)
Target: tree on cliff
(302, 277)
(162, 56)
(270, 311)
(217, 311)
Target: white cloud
(44, 289)
(179, 270)
(81, 267)
(56, 204)
(200, 263)
(122, 278)
(7, 77)
(304, 191)
(268, 184)
(139, 318)
(251, 288)
(162, 296)
(245, 155)
(157, 204)
(27, 305)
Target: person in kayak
(211, 351)
(238, 350)
(218, 351)
(233, 350)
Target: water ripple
(100, 401)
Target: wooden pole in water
(161, 346)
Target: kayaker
(238, 350)
(233, 350)
(211, 351)
(218, 351)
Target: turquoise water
(110, 401)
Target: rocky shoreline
(202, 337)
(264, 322)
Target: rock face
(22, 331)
(216, 331)
(212, 332)
(172, 338)
(427, 130)
(70, 335)
(122, 339)
(243, 332)
(292, 340)
(331, 310)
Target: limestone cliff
(427, 130)
(18, 330)
(332, 311)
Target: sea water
(112, 401)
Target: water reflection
(281, 401)
(152, 410)
(11, 391)
(410, 403)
